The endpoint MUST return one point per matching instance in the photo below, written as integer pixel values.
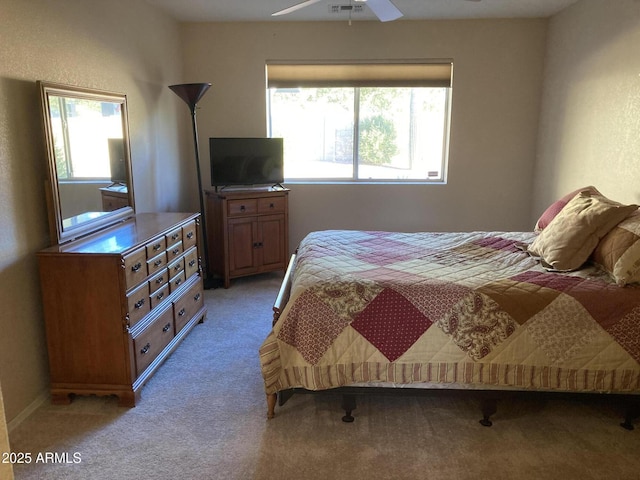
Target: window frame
(350, 74)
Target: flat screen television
(246, 161)
(116, 161)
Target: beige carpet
(202, 416)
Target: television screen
(116, 160)
(246, 161)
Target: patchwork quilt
(459, 310)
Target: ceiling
(261, 10)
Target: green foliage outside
(377, 140)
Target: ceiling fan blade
(385, 10)
(295, 7)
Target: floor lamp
(191, 93)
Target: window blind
(314, 75)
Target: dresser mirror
(89, 161)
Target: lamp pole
(191, 93)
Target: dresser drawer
(187, 306)
(177, 281)
(152, 340)
(135, 267)
(191, 262)
(174, 251)
(189, 235)
(242, 207)
(157, 263)
(155, 247)
(159, 295)
(159, 280)
(176, 267)
(271, 205)
(174, 237)
(138, 304)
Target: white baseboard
(24, 414)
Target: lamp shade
(191, 93)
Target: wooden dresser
(248, 232)
(118, 302)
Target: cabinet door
(242, 246)
(271, 234)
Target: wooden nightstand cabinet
(248, 232)
(114, 197)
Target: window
(84, 131)
(370, 123)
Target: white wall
(498, 67)
(123, 46)
(590, 121)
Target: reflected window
(79, 128)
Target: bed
(479, 311)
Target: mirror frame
(81, 225)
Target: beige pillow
(555, 208)
(570, 238)
(618, 253)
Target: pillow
(555, 208)
(572, 236)
(618, 253)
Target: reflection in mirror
(89, 162)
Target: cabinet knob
(145, 349)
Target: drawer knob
(190, 235)
(271, 205)
(157, 263)
(196, 297)
(182, 312)
(160, 296)
(157, 246)
(176, 251)
(160, 280)
(145, 349)
(166, 327)
(242, 208)
(175, 236)
(178, 281)
(139, 303)
(136, 267)
(192, 263)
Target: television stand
(249, 188)
(247, 231)
(114, 196)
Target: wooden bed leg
(349, 405)
(489, 406)
(271, 405)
